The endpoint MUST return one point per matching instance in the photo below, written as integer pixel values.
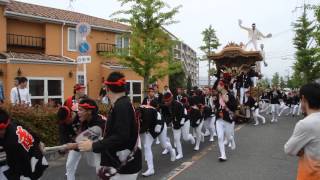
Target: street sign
(83, 29)
(83, 59)
(84, 47)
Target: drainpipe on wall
(62, 38)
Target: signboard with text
(83, 59)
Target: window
(46, 90)
(72, 39)
(122, 43)
(134, 91)
(80, 79)
(125, 42)
(119, 41)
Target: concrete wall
(25, 28)
(53, 39)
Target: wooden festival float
(234, 59)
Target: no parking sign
(83, 29)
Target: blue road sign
(84, 47)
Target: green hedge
(41, 120)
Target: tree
(316, 36)
(282, 83)
(294, 82)
(317, 32)
(264, 83)
(306, 67)
(212, 71)
(177, 80)
(150, 45)
(211, 42)
(275, 79)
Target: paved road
(258, 156)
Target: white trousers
(125, 177)
(74, 157)
(242, 96)
(147, 145)
(254, 42)
(284, 108)
(295, 110)
(265, 106)
(185, 131)
(299, 109)
(209, 125)
(256, 115)
(225, 130)
(199, 135)
(2, 170)
(254, 81)
(274, 111)
(235, 92)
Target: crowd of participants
(112, 142)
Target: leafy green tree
(150, 44)
(177, 80)
(264, 83)
(316, 36)
(212, 71)
(211, 43)
(294, 82)
(275, 79)
(307, 67)
(282, 83)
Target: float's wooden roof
(233, 55)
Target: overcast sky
(270, 16)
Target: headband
(4, 125)
(221, 83)
(78, 87)
(120, 82)
(87, 106)
(167, 97)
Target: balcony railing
(111, 48)
(14, 40)
(105, 47)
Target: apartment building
(188, 57)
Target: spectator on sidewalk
(102, 94)
(157, 94)
(16, 84)
(305, 140)
(20, 94)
